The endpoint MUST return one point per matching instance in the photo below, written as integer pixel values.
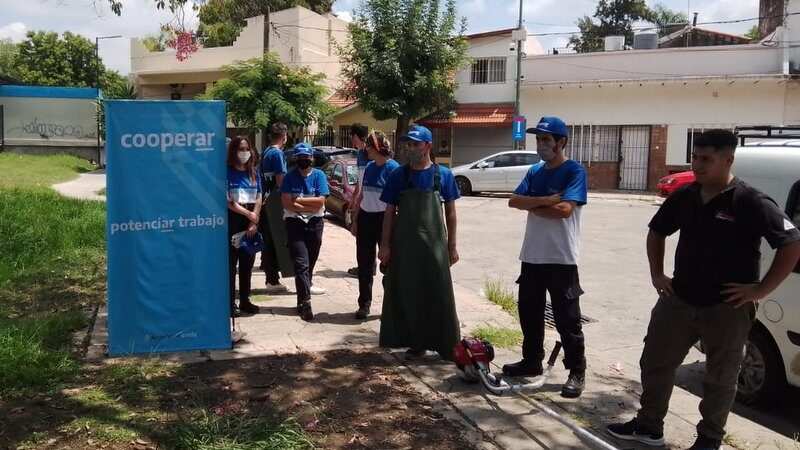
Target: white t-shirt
(552, 241)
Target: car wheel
(348, 218)
(762, 375)
(464, 186)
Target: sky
(92, 18)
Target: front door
(634, 157)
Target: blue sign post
(518, 128)
(166, 226)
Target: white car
(772, 353)
(501, 172)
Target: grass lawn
(52, 276)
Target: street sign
(518, 128)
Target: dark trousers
(240, 258)
(269, 256)
(370, 230)
(674, 327)
(305, 240)
(562, 282)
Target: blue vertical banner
(518, 128)
(166, 226)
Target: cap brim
(411, 138)
(538, 131)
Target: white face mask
(244, 157)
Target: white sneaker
(275, 288)
(317, 290)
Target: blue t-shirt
(420, 179)
(272, 163)
(568, 179)
(375, 178)
(314, 185)
(241, 188)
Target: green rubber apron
(418, 303)
(277, 233)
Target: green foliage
(666, 19)
(499, 337)
(221, 21)
(402, 57)
(263, 90)
(753, 33)
(156, 42)
(238, 432)
(616, 18)
(497, 293)
(47, 59)
(8, 54)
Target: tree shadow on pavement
(781, 415)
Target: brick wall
(602, 175)
(657, 164)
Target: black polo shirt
(720, 241)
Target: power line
(667, 25)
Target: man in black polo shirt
(715, 289)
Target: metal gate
(634, 157)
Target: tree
(221, 21)
(615, 17)
(46, 59)
(157, 42)
(667, 20)
(753, 34)
(402, 58)
(261, 91)
(8, 54)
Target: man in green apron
(417, 251)
(275, 259)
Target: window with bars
(598, 143)
(488, 70)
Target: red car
(342, 178)
(670, 183)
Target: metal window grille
(594, 143)
(488, 70)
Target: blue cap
(550, 125)
(418, 133)
(302, 149)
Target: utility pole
(519, 65)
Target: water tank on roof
(645, 40)
(614, 43)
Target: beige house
(299, 36)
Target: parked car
(772, 353)
(342, 176)
(671, 183)
(322, 155)
(501, 172)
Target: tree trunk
(400, 130)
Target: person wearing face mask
(368, 226)
(553, 193)
(244, 209)
(303, 193)
(417, 249)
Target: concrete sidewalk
(507, 422)
(85, 187)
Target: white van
(773, 351)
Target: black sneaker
(524, 368)
(632, 431)
(248, 308)
(305, 312)
(353, 272)
(362, 313)
(573, 388)
(705, 443)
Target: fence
(627, 146)
(341, 138)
